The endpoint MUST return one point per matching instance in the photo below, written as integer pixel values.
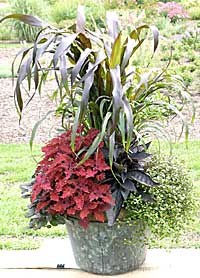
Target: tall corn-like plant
(96, 83)
(98, 87)
(91, 74)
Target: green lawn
(17, 166)
(5, 71)
(10, 45)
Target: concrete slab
(43, 263)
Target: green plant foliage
(190, 3)
(191, 39)
(149, 6)
(37, 8)
(193, 8)
(185, 56)
(63, 11)
(165, 1)
(174, 206)
(168, 28)
(51, 2)
(95, 14)
(115, 4)
(5, 32)
(194, 13)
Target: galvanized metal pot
(105, 250)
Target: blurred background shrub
(62, 12)
(38, 8)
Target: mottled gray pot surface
(102, 249)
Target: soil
(12, 132)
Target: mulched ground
(12, 132)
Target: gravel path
(11, 132)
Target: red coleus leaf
(42, 182)
(89, 163)
(104, 188)
(68, 192)
(46, 186)
(67, 174)
(35, 192)
(99, 216)
(80, 171)
(41, 205)
(61, 159)
(60, 185)
(93, 196)
(108, 199)
(39, 179)
(51, 211)
(84, 213)
(79, 200)
(90, 173)
(100, 162)
(103, 207)
(65, 148)
(54, 196)
(78, 143)
(84, 188)
(80, 129)
(101, 191)
(71, 211)
(89, 138)
(51, 149)
(101, 145)
(92, 205)
(58, 207)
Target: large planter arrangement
(99, 164)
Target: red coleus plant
(65, 187)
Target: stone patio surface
(43, 263)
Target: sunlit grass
(17, 164)
(5, 71)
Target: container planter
(99, 165)
(104, 249)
